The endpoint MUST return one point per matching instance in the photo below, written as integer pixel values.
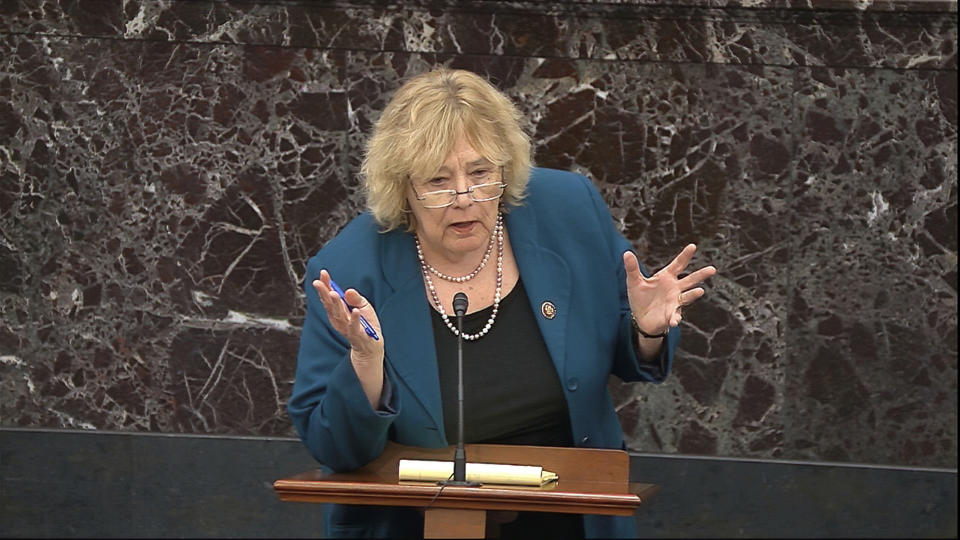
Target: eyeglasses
(487, 191)
(446, 197)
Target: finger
(632, 266)
(699, 276)
(322, 292)
(356, 299)
(362, 306)
(357, 334)
(332, 305)
(359, 339)
(321, 283)
(332, 302)
(319, 287)
(322, 286)
(682, 259)
(336, 307)
(688, 297)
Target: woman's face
(456, 231)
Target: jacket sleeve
(328, 407)
(627, 364)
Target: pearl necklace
(471, 275)
(496, 297)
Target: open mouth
(463, 226)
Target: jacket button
(573, 383)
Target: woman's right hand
(366, 353)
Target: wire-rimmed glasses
(487, 191)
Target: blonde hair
(420, 126)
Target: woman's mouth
(463, 226)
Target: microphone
(460, 303)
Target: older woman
(557, 303)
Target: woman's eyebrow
(475, 163)
(481, 161)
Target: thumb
(632, 266)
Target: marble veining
(166, 168)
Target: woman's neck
(480, 288)
(462, 265)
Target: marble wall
(167, 167)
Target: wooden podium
(591, 481)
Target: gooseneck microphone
(460, 304)
(460, 455)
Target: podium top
(591, 481)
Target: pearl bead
(426, 270)
(498, 232)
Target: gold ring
(680, 299)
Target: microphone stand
(460, 455)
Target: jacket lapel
(407, 327)
(546, 277)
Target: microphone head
(460, 304)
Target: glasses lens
(486, 192)
(439, 199)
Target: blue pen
(366, 326)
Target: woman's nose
(463, 199)
(462, 186)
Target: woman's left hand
(657, 301)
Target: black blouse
(512, 394)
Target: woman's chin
(465, 244)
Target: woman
(557, 302)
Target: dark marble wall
(166, 168)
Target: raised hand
(657, 301)
(366, 352)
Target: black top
(512, 394)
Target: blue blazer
(569, 253)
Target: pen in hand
(366, 326)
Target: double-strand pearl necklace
(498, 231)
(471, 275)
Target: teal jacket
(569, 253)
